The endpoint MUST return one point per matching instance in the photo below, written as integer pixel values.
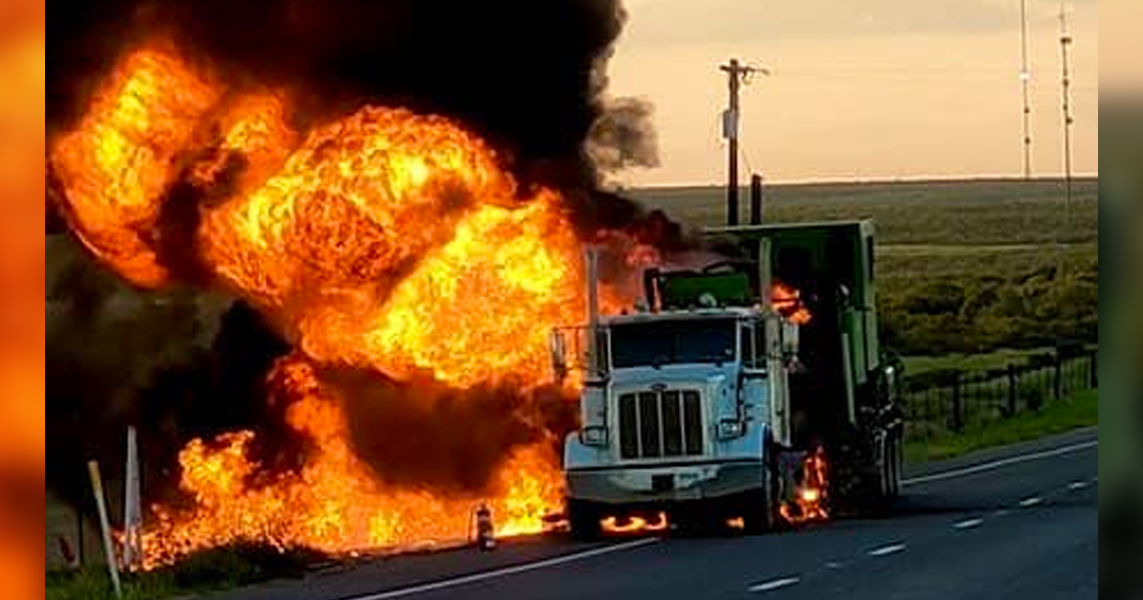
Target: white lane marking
(551, 562)
(774, 584)
(996, 464)
(1033, 501)
(834, 564)
(1003, 512)
(967, 523)
(887, 550)
(1077, 485)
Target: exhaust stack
(765, 275)
(756, 199)
(591, 256)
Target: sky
(869, 90)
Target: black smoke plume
(449, 440)
(525, 74)
(624, 136)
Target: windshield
(664, 342)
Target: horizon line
(874, 181)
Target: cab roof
(734, 312)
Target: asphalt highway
(1011, 523)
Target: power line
(1025, 80)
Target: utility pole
(1026, 79)
(1066, 41)
(737, 74)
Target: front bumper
(665, 484)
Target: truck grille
(659, 424)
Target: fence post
(1011, 390)
(1056, 377)
(958, 407)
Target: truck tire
(860, 477)
(583, 521)
(761, 513)
(896, 462)
(885, 452)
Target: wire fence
(950, 401)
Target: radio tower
(1026, 79)
(1066, 41)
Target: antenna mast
(1066, 42)
(1025, 79)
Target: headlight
(594, 435)
(730, 429)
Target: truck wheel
(583, 521)
(897, 458)
(760, 515)
(886, 454)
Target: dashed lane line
(1030, 502)
(967, 523)
(887, 550)
(773, 584)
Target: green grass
(95, 584)
(209, 570)
(1082, 410)
(915, 365)
(982, 212)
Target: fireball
(384, 240)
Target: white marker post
(101, 506)
(132, 515)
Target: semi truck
(754, 388)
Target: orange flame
(809, 503)
(385, 240)
(116, 164)
(333, 503)
(635, 524)
(788, 301)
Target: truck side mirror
(559, 355)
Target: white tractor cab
(690, 406)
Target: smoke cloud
(181, 362)
(419, 433)
(526, 75)
(624, 136)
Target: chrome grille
(654, 424)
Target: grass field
(1056, 417)
(958, 213)
(963, 267)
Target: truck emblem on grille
(658, 387)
